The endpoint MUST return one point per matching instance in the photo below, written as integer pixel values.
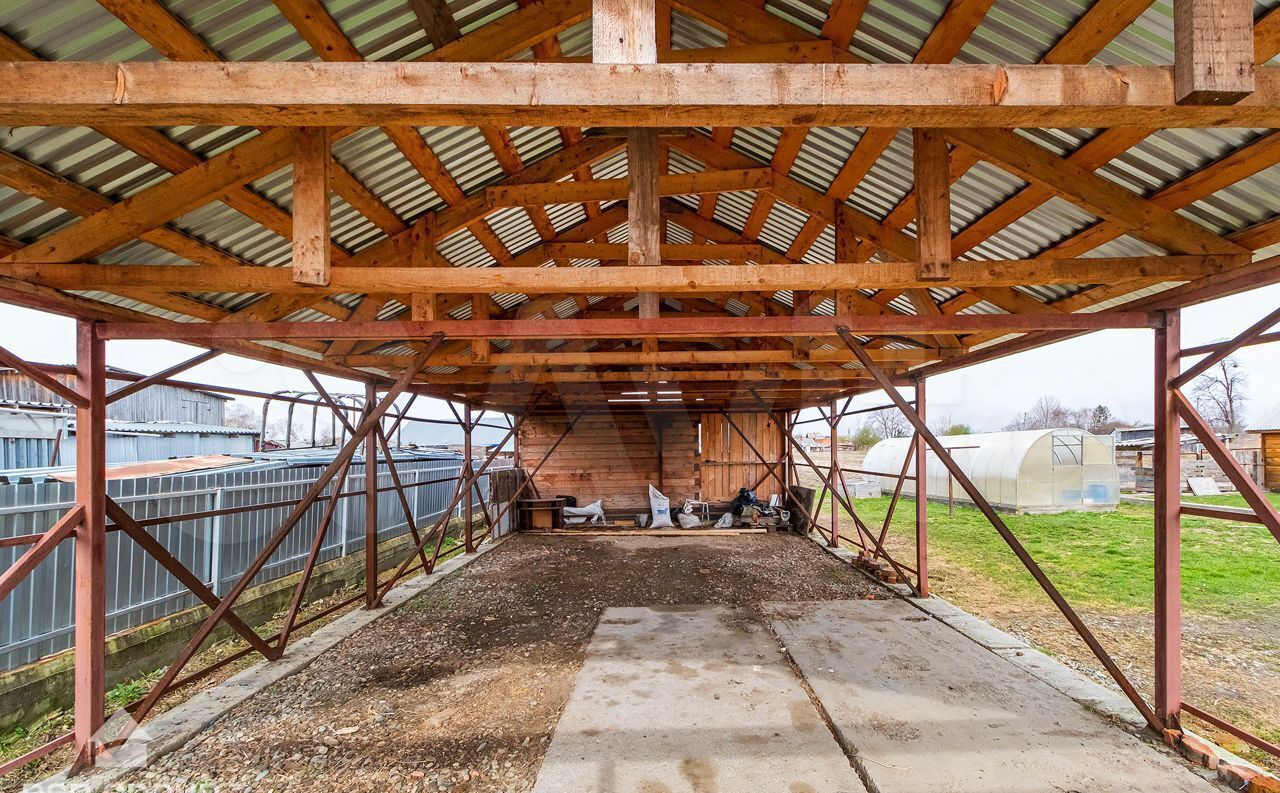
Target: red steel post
(90, 543)
(835, 475)
(1167, 467)
(371, 598)
(467, 510)
(922, 498)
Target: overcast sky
(1108, 367)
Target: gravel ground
(460, 689)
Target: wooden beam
(683, 279)
(624, 31)
(1092, 192)
(271, 150)
(599, 94)
(1213, 51)
(436, 20)
(933, 203)
(671, 252)
(547, 193)
(1254, 157)
(311, 183)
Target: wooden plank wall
(614, 458)
(727, 462)
(1271, 460)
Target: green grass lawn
(1102, 559)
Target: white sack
(726, 521)
(688, 521)
(593, 512)
(660, 506)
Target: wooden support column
(90, 543)
(933, 203)
(1167, 468)
(1213, 51)
(480, 346)
(311, 179)
(625, 31)
(922, 498)
(371, 598)
(836, 475)
(801, 306)
(468, 509)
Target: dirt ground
(460, 689)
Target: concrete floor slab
(680, 699)
(926, 708)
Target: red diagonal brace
(42, 547)
(991, 515)
(1249, 490)
(295, 515)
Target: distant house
(814, 442)
(157, 403)
(38, 427)
(1267, 427)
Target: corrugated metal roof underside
(891, 31)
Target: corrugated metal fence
(36, 618)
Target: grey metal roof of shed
(1013, 31)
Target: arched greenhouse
(1040, 471)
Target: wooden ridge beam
(680, 252)
(667, 279)
(595, 94)
(548, 193)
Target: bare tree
(1220, 394)
(1049, 413)
(242, 416)
(888, 423)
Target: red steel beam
(464, 487)
(665, 327)
(998, 523)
